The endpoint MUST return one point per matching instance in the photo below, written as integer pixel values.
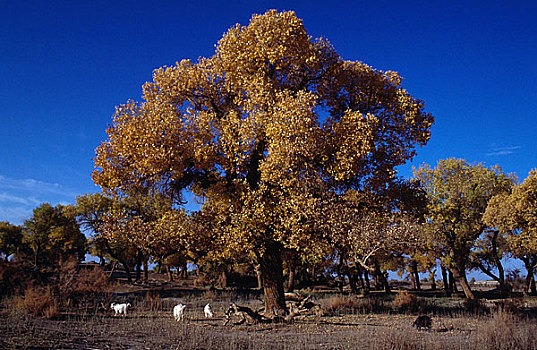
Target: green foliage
(53, 236)
(10, 239)
(515, 215)
(458, 193)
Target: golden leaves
(262, 131)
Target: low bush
(37, 301)
(407, 302)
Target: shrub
(407, 302)
(37, 301)
(86, 286)
(340, 304)
(15, 278)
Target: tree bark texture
(460, 276)
(272, 274)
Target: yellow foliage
(261, 131)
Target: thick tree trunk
(460, 276)
(146, 270)
(445, 280)
(272, 272)
(417, 284)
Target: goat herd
(422, 322)
(178, 310)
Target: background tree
(10, 240)
(53, 236)
(515, 216)
(90, 211)
(487, 256)
(458, 194)
(260, 131)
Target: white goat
(207, 311)
(178, 312)
(120, 309)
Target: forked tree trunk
(272, 274)
(460, 276)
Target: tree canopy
(458, 194)
(263, 130)
(53, 236)
(514, 214)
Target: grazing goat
(120, 309)
(178, 312)
(423, 322)
(207, 311)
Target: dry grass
(350, 322)
(159, 331)
(37, 301)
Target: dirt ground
(150, 325)
(157, 330)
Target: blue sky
(64, 65)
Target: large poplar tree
(260, 131)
